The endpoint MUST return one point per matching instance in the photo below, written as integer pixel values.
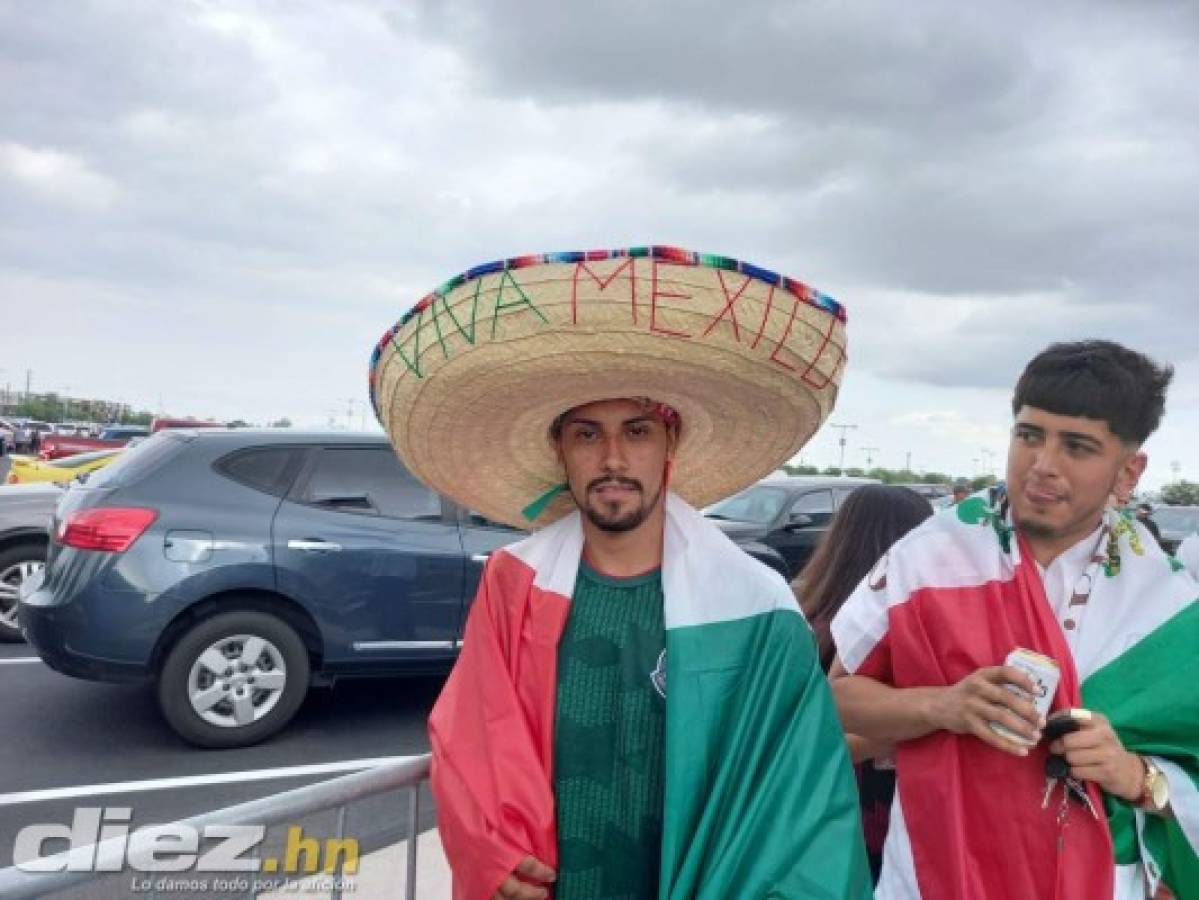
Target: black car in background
(233, 568)
(790, 516)
(1175, 523)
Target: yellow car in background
(26, 469)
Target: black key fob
(1059, 726)
(1056, 766)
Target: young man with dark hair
(992, 800)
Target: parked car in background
(1175, 523)
(788, 515)
(25, 513)
(233, 568)
(29, 434)
(929, 491)
(113, 436)
(80, 429)
(26, 469)
(8, 437)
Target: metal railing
(108, 857)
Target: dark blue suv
(235, 568)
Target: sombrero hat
(469, 381)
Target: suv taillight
(113, 529)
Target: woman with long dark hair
(872, 519)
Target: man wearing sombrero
(638, 710)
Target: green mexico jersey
(610, 739)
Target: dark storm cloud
(970, 185)
(938, 149)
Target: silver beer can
(1045, 674)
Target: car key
(1056, 767)
(1077, 791)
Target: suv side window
(371, 481)
(267, 469)
(814, 503)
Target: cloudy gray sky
(215, 208)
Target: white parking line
(160, 784)
(20, 659)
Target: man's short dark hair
(1097, 380)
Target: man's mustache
(612, 480)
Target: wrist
(930, 709)
(1134, 790)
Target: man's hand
(971, 705)
(1095, 753)
(523, 883)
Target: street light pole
(843, 429)
(869, 458)
(988, 462)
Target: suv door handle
(479, 557)
(313, 546)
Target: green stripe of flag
(1149, 694)
(760, 795)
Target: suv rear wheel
(17, 563)
(233, 679)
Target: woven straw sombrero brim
(469, 382)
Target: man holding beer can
(1035, 664)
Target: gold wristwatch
(1155, 791)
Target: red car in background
(56, 446)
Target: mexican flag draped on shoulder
(760, 799)
(958, 594)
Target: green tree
(239, 423)
(42, 407)
(831, 470)
(286, 423)
(1181, 493)
(802, 470)
(935, 478)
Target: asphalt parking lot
(72, 743)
